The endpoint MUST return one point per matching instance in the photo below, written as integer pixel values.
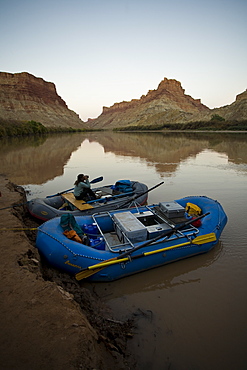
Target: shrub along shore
(20, 128)
(212, 125)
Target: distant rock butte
(24, 97)
(167, 104)
(170, 92)
(168, 101)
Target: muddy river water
(192, 314)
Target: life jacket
(72, 234)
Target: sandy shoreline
(42, 324)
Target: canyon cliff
(168, 104)
(24, 97)
(237, 111)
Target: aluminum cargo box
(172, 209)
(155, 230)
(126, 224)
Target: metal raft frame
(114, 245)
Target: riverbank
(48, 320)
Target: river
(192, 314)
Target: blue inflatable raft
(123, 242)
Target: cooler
(172, 209)
(126, 224)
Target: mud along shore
(48, 320)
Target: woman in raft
(82, 190)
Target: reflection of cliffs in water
(165, 277)
(234, 145)
(166, 151)
(37, 160)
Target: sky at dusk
(100, 52)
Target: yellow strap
(18, 228)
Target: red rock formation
(168, 100)
(24, 97)
(169, 90)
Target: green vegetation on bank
(216, 123)
(16, 128)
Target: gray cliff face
(24, 97)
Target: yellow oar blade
(202, 239)
(90, 270)
(99, 266)
(85, 274)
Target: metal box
(155, 230)
(127, 225)
(172, 209)
(154, 225)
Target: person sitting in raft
(82, 190)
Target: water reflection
(165, 277)
(156, 147)
(37, 160)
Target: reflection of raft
(124, 242)
(50, 207)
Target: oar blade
(98, 179)
(203, 239)
(90, 270)
(85, 274)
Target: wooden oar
(98, 179)
(90, 270)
